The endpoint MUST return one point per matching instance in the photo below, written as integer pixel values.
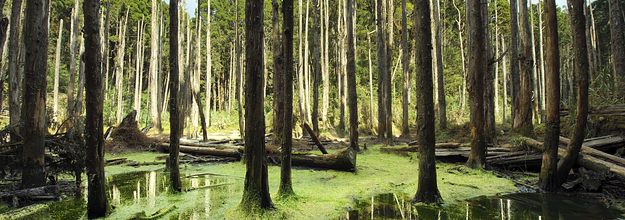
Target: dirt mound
(128, 137)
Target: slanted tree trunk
(351, 77)
(548, 179)
(33, 115)
(316, 67)
(174, 114)
(404, 44)
(286, 186)
(196, 75)
(73, 38)
(617, 45)
(154, 72)
(119, 83)
(525, 126)
(442, 104)
(14, 76)
(580, 51)
(382, 73)
(477, 158)
(256, 189)
(97, 202)
(515, 79)
(57, 63)
(427, 191)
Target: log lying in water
(584, 160)
(222, 151)
(341, 160)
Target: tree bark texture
(256, 189)
(617, 44)
(174, 114)
(515, 79)
(382, 65)
(548, 179)
(351, 78)
(580, 52)
(388, 95)
(442, 104)
(427, 190)
(209, 75)
(286, 186)
(278, 75)
(239, 73)
(490, 136)
(525, 126)
(15, 78)
(97, 202)
(35, 33)
(316, 67)
(119, 83)
(477, 159)
(405, 63)
(57, 63)
(74, 29)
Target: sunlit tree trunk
(154, 71)
(504, 79)
(35, 33)
(442, 104)
(326, 65)
(388, 98)
(138, 78)
(105, 54)
(370, 81)
(427, 190)
(57, 63)
(239, 73)
(97, 202)
(477, 158)
(306, 100)
(209, 77)
(120, 69)
(542, 60)
(464, 72)
(300, 67)
(548, 179)
(535, 74)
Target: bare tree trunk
(307, 69)
(477, 158)
(316, 67)
(326, 66)
(489, 92)
(404, 38)
(370, 81)
(542, 60)
(525, 126)
(442, 104)
(300, 69)
(196, 75)
(174, 113)
(496, 81)
(57, 63)
(256, 190)
(120, 69)
(72, 60)
(427, 191)
(35, 33)
(209, 67)
(105, 54)
(387, 89)
(382, 65)
(97, 204)
(504, 79)
(580, 49)
(239, 73)
(278, 75)
(351, 75)
(515, 79)
(286, 188)
(340, 64)
(548, 179)
(535, 73)
(81, 78)
(138, 77)
(618, 50)
(464, 72)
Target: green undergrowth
(320, 194)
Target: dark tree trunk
(427, 190)
(97, 202)
(14, 76)
(73, 71)
(381, 56)
(316, 67)
(515, 80)
(477, 159)
(33, 115)
(256, 190)
(388, 96)
(525, 126)
(174, 113)
(618, 47)
(278, 76)
(489, 80)
(580, 51)
(442, 104)
(548, 179)
(405, 65)
(351, 78)
(286, 186)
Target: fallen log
(196, 143)
(215, 151)
(344, 159)
(584, 160)
(315, 138)
(605, 144)
(596, 153)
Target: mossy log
(584, 160)
(196, 143)
(221, 151)
(344, 159)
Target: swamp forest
(276, 109)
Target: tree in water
(576, 7)
(548, 179)
(256, 190)
(477, 158)
(174, 114)
(427, 190)
(286, 186)
(97, 202)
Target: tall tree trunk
(239, 73)
(464, 64)
(256, 189)
(388, 98)
(548, 179)
(542, 60)
(307, 68)
(370, 82)
(33, 115)
(326, 66)
(504, 79)
(97, 202)
(174, 113)
(442, 104)
(477, 158)
(75, 27)
(404, 43)
(618, 45)
(381, 56)
(286, 186)
(525, 126)
(496, 81)
(138, 79)
(81, 79)
(196, 75)
(278, 75)
(427, 191)
(580, 49)
(300, 69)
(105, 55)
(535, 74)
(515, 79)
(120, 69)
(316, 67)
(340, 70)
(351, 75)
(57, 63)
(209, 67)
(489, 92)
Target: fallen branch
(315, 138)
